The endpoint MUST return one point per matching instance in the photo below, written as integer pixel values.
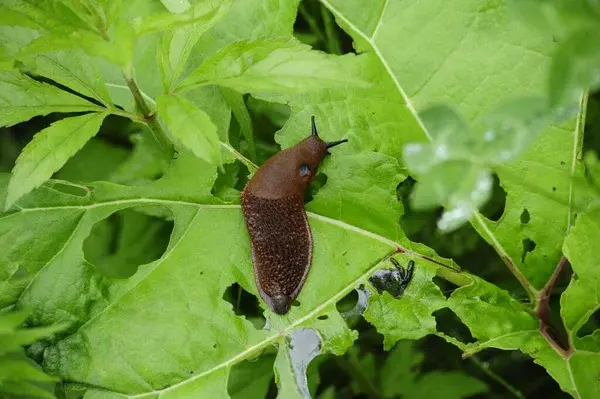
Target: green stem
(149, 116)
(332, 42)
(484, 367)
(478, 221)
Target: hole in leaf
(528, 246)
(323, 317)
(464, 245)
(267, 119)
(494, 208)
(251, 378)
(311, 191)
(245, 304)
(230, 182)
(348, 302)
(70, 189)
(272, 393)
(445, 286)
(450, 324)
(592, 324)
(120, 243)
(296, 303)
(316, 26)
(553, 189)
(525, 218)
(421, 227)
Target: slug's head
(310, 153)
(292, 170)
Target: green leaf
(48, 152)
(97, 160)
(577, 302)
(22, 98)
(251, 379)
(576, 67)
(205, 12)
(176, 45)
(238, 107)
(17, 373)
(75, 70)
(118, 48)
(455, 386)
(460, 186)
(190, 126)
(269, 65)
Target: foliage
(121, 213)
(18, 376)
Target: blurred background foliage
(125, 153)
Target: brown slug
(273, 207)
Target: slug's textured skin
(280, 236)
(281, 245)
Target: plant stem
(486, 370)
(149, 116)
(542, 310)
(529, 288)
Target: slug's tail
(280, 304)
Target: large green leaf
(270, 66)
(48, 152)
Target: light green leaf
(269, 65)
(176, 45)
(447, 385)
(22, 98)
(190, 126)
(17, 373)
(48, 152)
(204, 12)
(176, 6)
(576, 67)
(460, 186)
(75, 70)
(238, 107)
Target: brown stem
(542, 310)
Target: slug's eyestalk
(330, 144)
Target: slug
(273, 208)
